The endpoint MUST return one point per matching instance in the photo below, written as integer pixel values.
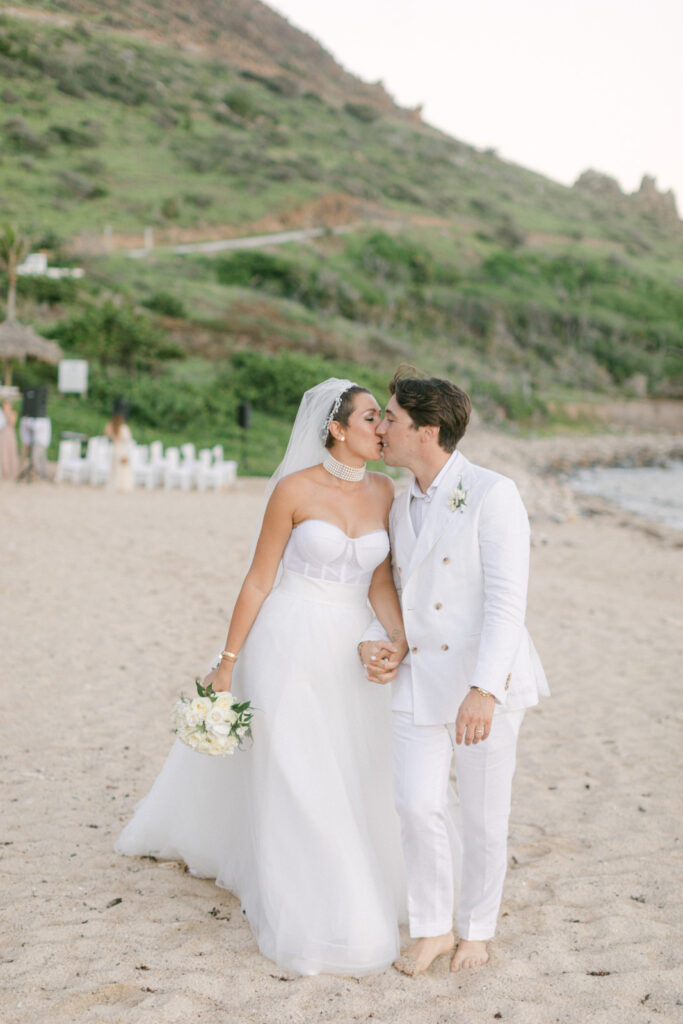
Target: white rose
(178, 715)
(225, 744)
(200, 706)
(215, 722)
(224, 699)
(193, 718)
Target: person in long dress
(301, 826)
(118, 432)
(9, 456)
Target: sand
(111, 604)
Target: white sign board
(73, 376)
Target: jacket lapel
(402, 534)
(438, 515)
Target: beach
(113, 603)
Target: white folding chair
(157, 465)
(98, 457)
(208, 475)
(189, 462)
(70, 465)
(228, 468)
(139, 462)
(177, 474)
(228, 473)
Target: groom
(460, 551)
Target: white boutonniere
(457, 499)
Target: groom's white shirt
(462, 584)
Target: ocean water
(655, 492)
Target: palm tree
(13, 248)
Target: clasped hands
(381, 659)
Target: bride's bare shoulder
(292, 484)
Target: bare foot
(423, 953)
(470, 953)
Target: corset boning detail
(322, 551)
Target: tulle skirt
(301, 826)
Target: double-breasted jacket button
(438, 606)
(413, 650)
(400, 569)
(446, 560)
(507, 681)
(444, 647)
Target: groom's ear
(428, 434)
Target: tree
(117, 336)
(13, 248)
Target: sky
(555, 85)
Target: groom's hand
(380, 659)
(475, 716)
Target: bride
(301, 826)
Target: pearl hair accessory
(343, 472)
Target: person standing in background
(118, 432)
(9, 455)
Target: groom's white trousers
(483, 771)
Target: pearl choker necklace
(341, 470)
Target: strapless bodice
(322, 551)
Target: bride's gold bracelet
(228, 656)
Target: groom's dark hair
(432, 402)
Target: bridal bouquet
(212, 723)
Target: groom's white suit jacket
(462, 584)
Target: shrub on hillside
(163, 404)
(116, 336)
(166, 304)
(275, 384)
(393, 258)
(47, 289)
(89, 133)
(23, 138)
(241, 104)
(79, 186)
(200, 200)
(281, 84)
(92, 166)
(362, 112)
(256, 269)
(170, 208)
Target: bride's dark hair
(344, 409)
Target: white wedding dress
(301, 826)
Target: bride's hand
(381, 659)
(219, 678)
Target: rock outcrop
(659, 206)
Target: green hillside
(211, 120)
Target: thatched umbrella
(18, 341)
